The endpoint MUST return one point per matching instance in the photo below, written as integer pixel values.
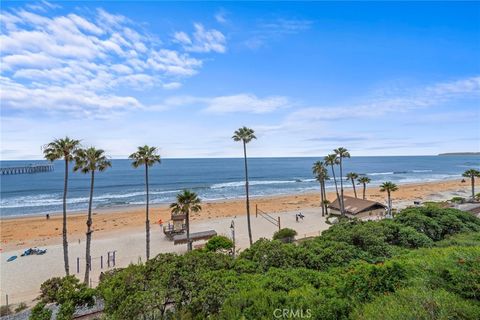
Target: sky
(377, 78)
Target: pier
(27, 169)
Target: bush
(217, 243)
(438, 223)
(285, 235)
(457, 200)
(418, 303)
(22, 306)
(39, 312)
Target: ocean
(212, 179)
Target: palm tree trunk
(189, 243)
(64, 227)
(342, 206)
(147, 219)
(88, 258)
(389, 204)
(336, 188)
(322, 199)
(364, 190)
(246, 191)
(473, 187)
(354, 189)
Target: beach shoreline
(37, 230)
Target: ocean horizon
(212, 178)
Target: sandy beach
(122, 230)
(37, 231)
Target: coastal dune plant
(321, 174)
(219, 243)
(364, 180)
(146, 156)
(245, 135)
(472, 174)
(187, 202)
(90, 161)
(389, 187)
(352, 176)
(63, 149)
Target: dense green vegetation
(423, 264)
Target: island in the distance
(460, 154)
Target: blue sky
(377, 78)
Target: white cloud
(246, 103)
(221, 16)
(429, 96)
(266, 31)
(239, 103)
(202, 40)
(94, 57)
(172, 85)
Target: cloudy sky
(377, 78)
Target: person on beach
(296, 217)
(300, 215)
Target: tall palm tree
(364, 180)
(341, 153)
(246, 135)
(320, 172)
(55, 150)
(187, 202)
(472, 174)
(146, 156)
(332, 160)
(352, 176)
(89, 161)
(389, 187)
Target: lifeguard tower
(176, 226)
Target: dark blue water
(212, 179)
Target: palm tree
(472, 174)
(389, 187)
(88, 161)
(55, 150)
(332, 160)
(341, 153)
(146, 156)
(320, 172)
(352, 176)
(187, 202)
(364, 180)
(245, 135)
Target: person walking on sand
(296, 217)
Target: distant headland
(460, 154)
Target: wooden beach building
(358, 208)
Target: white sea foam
(236, 184)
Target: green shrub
(21, 306)
(418, 303)
(457, 200)
(39, 312)
(285, 235)
(438, 223)
(218, 243)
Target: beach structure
(27, 169)
(358, 208)
(195, 236)
(176, 226)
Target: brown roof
(355, 205)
